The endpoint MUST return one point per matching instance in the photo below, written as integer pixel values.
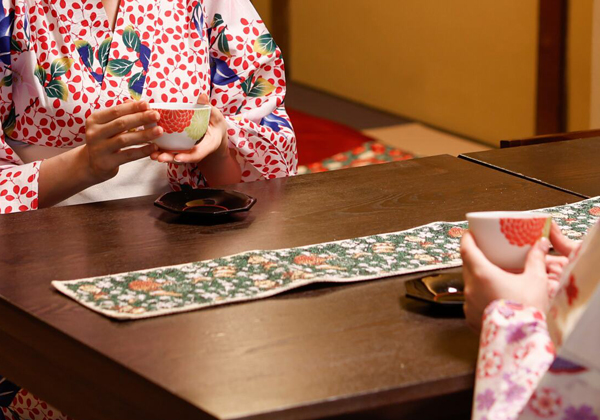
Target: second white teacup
(505, 237)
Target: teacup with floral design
(505, 237)
(184, 125)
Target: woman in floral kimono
(538, 354)
(75, 83)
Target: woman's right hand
(111, 132)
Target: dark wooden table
(351, 351)
(571, 166)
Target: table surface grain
(571, 166)
(312, 353)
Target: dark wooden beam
(280, 18)
(551, 106)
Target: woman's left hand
(485, 282)
(213, 145)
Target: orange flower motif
(456, 232)
(175, 121)
(309, 260)
(378, 148)
(144, 286)
(595, 211)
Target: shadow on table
(455, 406)
(234, 221)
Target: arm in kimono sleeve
(18, 181)
(515, 350)
(248, 86)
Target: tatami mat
(422, 140)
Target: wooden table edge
(353, 404)
(471, 159)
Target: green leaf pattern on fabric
(119, 67)
(258, 274)
(6, 80)
(60, 66)
(104, 52)
(217, 21)
(265, 44)
(262, 87)
(57, 89)
(223, 43)
(40, 73)
(131, 39)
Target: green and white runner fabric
(259, 274)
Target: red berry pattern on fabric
(28, 406)
(572, 290)
(175, 121)
(522, 232)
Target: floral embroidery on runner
(259, 274)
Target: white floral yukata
(519, 373)
(60, 62)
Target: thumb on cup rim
(536, 258)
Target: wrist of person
(221, 154)
(83, 170)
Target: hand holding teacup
(193, 133)
(516, 241)
(112, 138)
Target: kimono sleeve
(515, 351)
(18, 181)
(248, 86)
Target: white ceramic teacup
(184, 125)
(505, 237)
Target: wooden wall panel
(466, 66)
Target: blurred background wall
(464, 66)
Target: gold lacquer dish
(442, 289)
(205, 202)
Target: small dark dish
(205, 202)
(441, 289)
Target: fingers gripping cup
(184, 125)
(505, 237)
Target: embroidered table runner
(259, 274)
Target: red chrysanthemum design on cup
(522, 232)
(175, 121)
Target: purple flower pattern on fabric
(515, 333)
(585, 412)
(515, 392)
(505, 311)
(503, 396)
(485, 400)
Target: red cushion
(319, 138)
